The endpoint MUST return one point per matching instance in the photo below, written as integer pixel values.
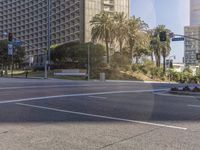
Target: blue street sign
(5, 33)
(178, 39)
(17, 43)
(10, 49)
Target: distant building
(27, 20)
(192, 46)
(194, 12)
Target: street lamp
(49, 35)
(89, 52)
(89, 44)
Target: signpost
(10, 49)
(178, 39)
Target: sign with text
(178, 39)
(10, 49)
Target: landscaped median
(187, 90)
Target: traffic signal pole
(10, 40)
(49, 36)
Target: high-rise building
(192, 46)
(27, 20)
(194, 12)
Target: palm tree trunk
(120, 46)
(152, 57)
(157, 61)
(137, 59)
(108, 54)
(164, 64)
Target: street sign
(5, 33)
(17, 42)
(10, 49)
(178, 39)
(198, 56)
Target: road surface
(80, 115)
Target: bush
(119, 60)
(157, 73)
(187, 88)
(174, 89)
(196, 89)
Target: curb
(185, 93)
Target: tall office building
(193, 46)
(194, 12)
(27, 20)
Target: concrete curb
(185, 93)
(21, 77)
(126, 81)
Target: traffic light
(10, 37)
(163, 36)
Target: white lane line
(101, 116)
(97, 97)
(196, 106)
(45, 86)
(77, 95)
(173, 95)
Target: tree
(160, 48)
(164, 46)
(135, 28)
(120, 28)
(77, 55)
(141, 46)
(18, 57)
(102, 26)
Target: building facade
(192, 46)
(27, 20)
(194, 12)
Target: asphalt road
(73, 115)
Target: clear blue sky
(172, 13)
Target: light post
(88, 68)
(89, 56)
(49, 35)
(6, 35)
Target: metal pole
(45, 70)
(88, 61)
(12, 66)
(49, 35)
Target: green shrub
(119, 60)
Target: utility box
(102, 77)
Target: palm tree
(165, 50)
(120, 28)
(161, 48)
(135, 28)
(102, 25)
